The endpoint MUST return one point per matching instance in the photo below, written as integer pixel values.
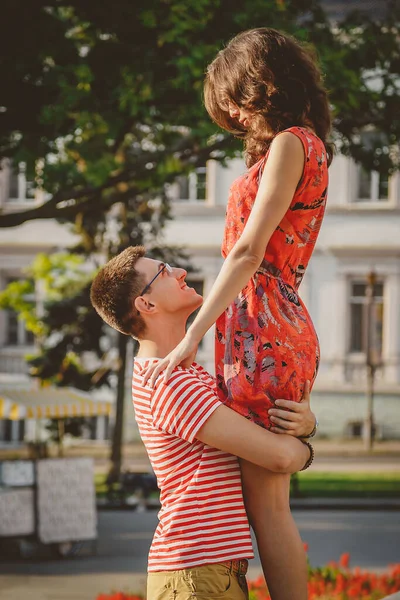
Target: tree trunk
(116, 447)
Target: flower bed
(335, 581)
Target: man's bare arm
(228, 431)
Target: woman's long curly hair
(277, 80)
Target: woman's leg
(281, 550)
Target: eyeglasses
(165, 267)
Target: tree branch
(50, 209)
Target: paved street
(371, 537)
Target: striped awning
(50, 403)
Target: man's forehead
(147, 265)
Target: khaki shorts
(219, 581)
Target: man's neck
(161, 339)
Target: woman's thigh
(264, 492)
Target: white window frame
(22, 333)
(194, 183)
(22, 184)
(374, 188)
(362, 300)
(173, 190)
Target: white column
(340, 326)
(30, 430)
(4, 177)
(100, 428)
(211, 182)
(192, 186)
(14, 431)
(22, 181)
(394, 189)
(391, 329)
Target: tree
(108, 95)
(74, 346)
(103, 103)
(50, 301)
(64, 330)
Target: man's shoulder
(203, 374)
(195, 371)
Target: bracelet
(314, 431)
(310, 458)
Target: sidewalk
(345, 504)
(330, 456)
(78, 587)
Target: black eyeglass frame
(165, 266)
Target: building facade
(18, 248)
(360, 234)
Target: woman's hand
(293, 418)
(184, 354)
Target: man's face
(168, 291)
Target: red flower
(345, 560)
(332, 582)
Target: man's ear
(144, 306)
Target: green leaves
(90, 90)
(50, 278)
(19, 296)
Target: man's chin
(199, 302)
(193, 305)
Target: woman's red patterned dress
(266, 344)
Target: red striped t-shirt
(202, 518)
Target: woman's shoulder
(313, 146)
(306, 135)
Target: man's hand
(184, 354)
(293, 418)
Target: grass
(100, 484)
(349, 485)
(328, 485)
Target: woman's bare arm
(281, 175)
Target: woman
(266, 88)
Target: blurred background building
(18, 248)
(360, 234)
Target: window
(359, 318)
(372, 186)
(12, 328)
(16, 332)
(355, 429)
(198, 285)
(12, 431)
(198, 184)
(189, 188)
(19, 188)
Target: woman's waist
(274, 302)
(285, 275)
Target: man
(202, 543)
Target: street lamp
(372, 358)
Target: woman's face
(239, 114)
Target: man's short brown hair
(115, 289)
